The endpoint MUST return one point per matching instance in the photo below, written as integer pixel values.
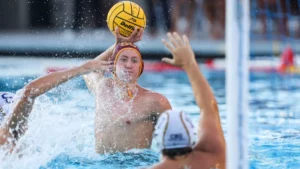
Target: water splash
(56, 125)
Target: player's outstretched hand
(181, 50)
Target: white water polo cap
(6, 98)
(174, 130)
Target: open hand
(135, 36)
(98, 66)
(181, 50)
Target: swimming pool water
(60, 133)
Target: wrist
(83, 70)
(109, 52)
(190, 64)
(111, 48)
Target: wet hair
(172, 153)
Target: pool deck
(90, 43)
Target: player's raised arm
(16, 124)
(211, 137)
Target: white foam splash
(55, 127)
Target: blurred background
(72, 27)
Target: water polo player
(125, 112)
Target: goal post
(237, 79)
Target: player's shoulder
(159, 101)
(107, 82)
(154, 95)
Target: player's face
(128, 65)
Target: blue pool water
(60, 133)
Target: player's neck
(126, 89)
(125, 85)
(180, 160)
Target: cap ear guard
(142, 68)
(160, 129)
(191, 129)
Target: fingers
(118, 35)
(177, 38)
(140, 34)
(107, 66)
(186, 40)
(134, 33)
(117, 32)
(168, 61)
(167, 45)
(135, 36)
(107, 62)
(172, 39)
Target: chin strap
(129, 92)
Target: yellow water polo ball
(126, 15)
